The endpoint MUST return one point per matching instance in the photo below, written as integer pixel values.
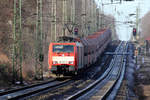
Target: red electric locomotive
(65, 57)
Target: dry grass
(5, 75)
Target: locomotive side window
(63, 48)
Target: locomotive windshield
(63, 48)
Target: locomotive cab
(62, 58)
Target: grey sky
(121, 13)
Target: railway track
(108, 83)
(86, 78)
(32, 89)
(42, 88)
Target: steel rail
(24, 87)
(30, 90)
(106, 73)
(110, 95)
(116, 87)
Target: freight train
(78, 54)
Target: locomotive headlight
(70, 62)
(55, 62)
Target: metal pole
(20, 42)
(54, 19)
(55, 14)
(39, 43)
(92, 17)
(14, 39)
(64, 16)
(17, 42)
(51, 21)
(73, 15)
(102, 17)
(74, 11)
(41, 31)
(137, 20)
(85, 19)
(36, 44)
(63, 33)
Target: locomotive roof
(68, 39)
